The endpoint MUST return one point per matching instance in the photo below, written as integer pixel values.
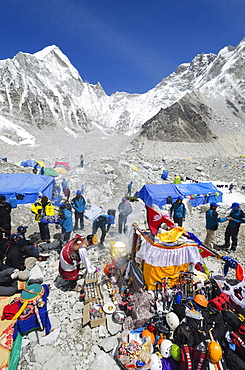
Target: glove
(97, 269)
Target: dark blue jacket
(212, 219)
(66, 220)
(178, 210)
(78, 204)
(101, 220)
(239, 218)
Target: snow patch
(70, 132)
(14, 134)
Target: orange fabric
(156, 273)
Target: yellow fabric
(60, 170)
(41, 164)
(134, 167)
(49, 209)
(172, 235)
(5, 353)
(156, 273)
(20, 310)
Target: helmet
(156, 363)
(146, 333)
(165, 348)
(201, 300)
(172, 320)
(78, 192)
(175, 352)
(214, 352)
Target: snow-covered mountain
(45, 90)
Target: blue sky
(126, 45)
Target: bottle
(129, 308)
(124, 303)
(123, 289)
(82, 295)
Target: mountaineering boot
(233, 249)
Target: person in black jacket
(5, 211)
(15, 259)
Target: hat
(124, 199)
(180, 197)
(213, 204)
(2, 197)
(21, 243)
(62, 205)
(78, 192)
(234, 205)
(15, 236)
(21, 228)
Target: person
(22, 230)
(43, 207)
(81, 160)
(5, 211)
(212, 222)
(8, 282)
(72, 255)
(231, 188)
(67, 193)
(178, 211)
(236, 217)
(64, 184)
(65, 222)
(124, 209)
(79, 205)
(104, 223)
(4, 240)
(15, 259)
(129, 188)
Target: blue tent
(29, 163)
(158, 194)
(25, 187)
(197, 193)
(200, 193)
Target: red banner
(155, 220)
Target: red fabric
(220, 302)
(155, 219)
(65, 164)
(10, 310)
(240, 272)
(66, 254)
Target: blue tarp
(25, 186)
(200, 192)
(157, 194)
(203, 192)
(29, 163)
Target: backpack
(186, 358)
(239, 342)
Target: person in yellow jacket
(43, 207)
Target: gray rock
(104, 362)
(108, 343)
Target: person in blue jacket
(79, 205)
(104, 223)
(236, 218)
(212, 222)
(65, 222)
(178, 211)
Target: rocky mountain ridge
(45, 90)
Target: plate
(118, 317)
(109, 308)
